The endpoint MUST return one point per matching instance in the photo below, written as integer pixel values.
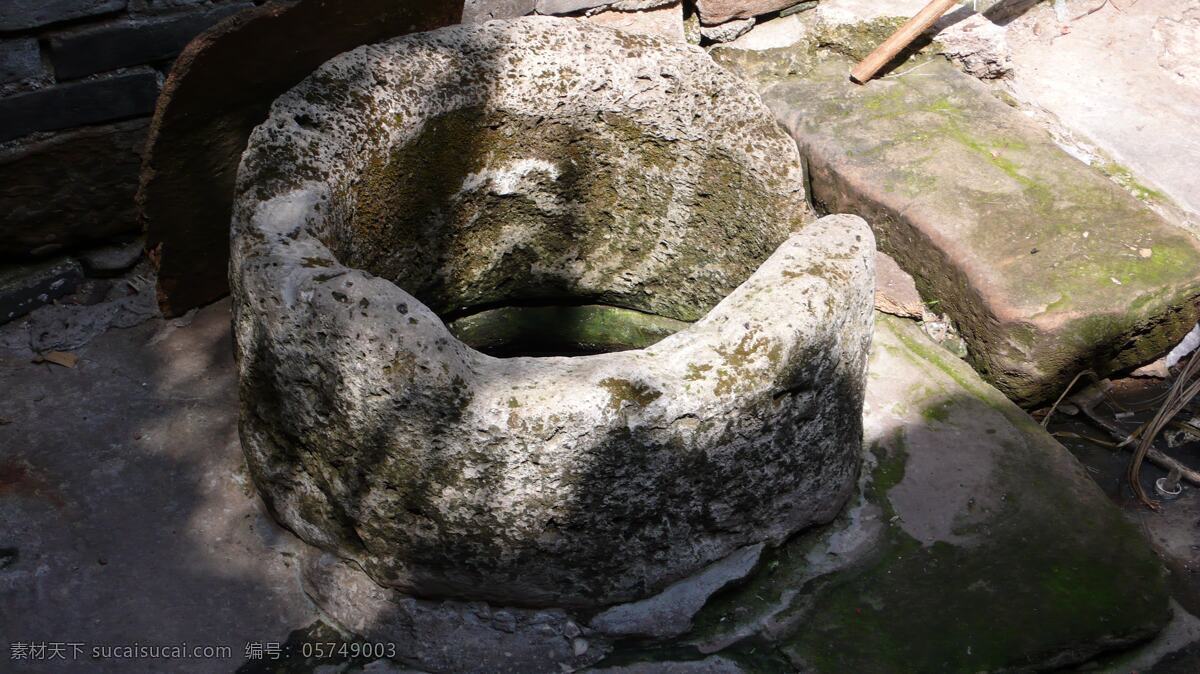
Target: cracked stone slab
(1047, 267)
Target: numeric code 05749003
(347, 649)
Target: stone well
(547, 189)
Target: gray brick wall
(71, 65)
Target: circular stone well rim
(340, 368)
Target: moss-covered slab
(1047, 266)
(977, 543)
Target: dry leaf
(64, 358)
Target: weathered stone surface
(691, 29)
(25, 288)
(895, 291)
(783, 31)
(478, 11)
(488, 143)
(449, 636)
(140, 7)
(669, 613)
(487, 523)
(666, 21)
(65, 106)
(115, 45)
(113, 259)
(734, 431)
(20, 59)
(1037, 257)
(71, 189)
(552, 7)
(978, 45)
(22, 14)
(639, 5)
(66, 327)
(977, 543)
(728, 31)
(714, 12)
(210, 103)
(1127, 84)
(713, 664)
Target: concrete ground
(126, 516)
(1123, 76)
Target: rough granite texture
(1046, 266)
(375, 433)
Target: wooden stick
(903, 37)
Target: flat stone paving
(1125, 78)
(1047, 266)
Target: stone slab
(449, 636)
(74, 188)
(1047, 267)
(554, 7)
(978, 543)
(112, 260)
(895, 291)
(64, 106)
(20, 59)
(23, 14)
(1126, 82)
(126, 43)
(25, 288)
(783, 31)
(210, 103)
(666, 21)
(669, 613)
(716, 12)
(478, 11)
(728, 31)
